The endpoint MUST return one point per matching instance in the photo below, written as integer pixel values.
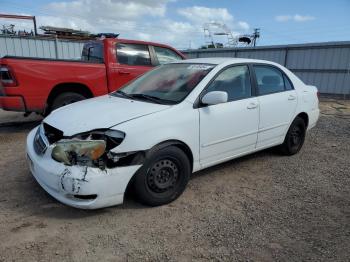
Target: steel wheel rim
(163, 176)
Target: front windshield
(167, 84)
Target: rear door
(278, 101)
(132, 60)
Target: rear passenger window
(133, 54)
(235, 81)
(270, 80)
(166, 55)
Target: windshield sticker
(199, 67)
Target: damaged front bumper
(78, 186)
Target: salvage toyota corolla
(174, 120)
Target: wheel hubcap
(162, 176)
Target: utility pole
(256, 35)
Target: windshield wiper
(119, 92)
(152, 98)
(143, 97)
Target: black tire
(295, 137)
(66, 99)
(163, 177)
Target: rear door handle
(291, 97)
(252, 106)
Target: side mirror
(214, 98)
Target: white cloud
(303, 18)
(144, 36)
(138, 19)
(75, 23)
(197, 16)
(295, 18)
(283, 18)
(200, 14)
(243, 25)
(110, 9)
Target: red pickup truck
(42, 85)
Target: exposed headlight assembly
(71, 152)
(87, 149)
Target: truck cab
(42, 85)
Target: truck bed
(36, 77)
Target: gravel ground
(261, 207)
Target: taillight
(318, 94)
(7, 77)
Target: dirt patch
(261, 207)
(9, 118)
(333, 107)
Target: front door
(132, 60)
(229, 129)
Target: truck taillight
(7, 77)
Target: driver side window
(235, 81)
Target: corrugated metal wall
(325, 65)
(38, 47)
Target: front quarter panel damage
(82, 180)
(71, 183)
(63, 182)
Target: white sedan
(172, 121)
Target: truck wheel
(295, 137)
(66, 99)
(163, 177)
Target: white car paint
(106, 111)
(272, 127)
(236, 131)
(214, 134)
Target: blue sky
(180, 22)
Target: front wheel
(163, 177)
(295, 137)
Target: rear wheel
(66, 99)
(163, 177)
(295, 137)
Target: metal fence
(325, 65)
(40, 47)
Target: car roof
(224, 60)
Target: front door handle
(252, 105)
(123, 72)
(291, 97)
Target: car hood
(100, 112)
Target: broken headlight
(87, 149)
(72, 151)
